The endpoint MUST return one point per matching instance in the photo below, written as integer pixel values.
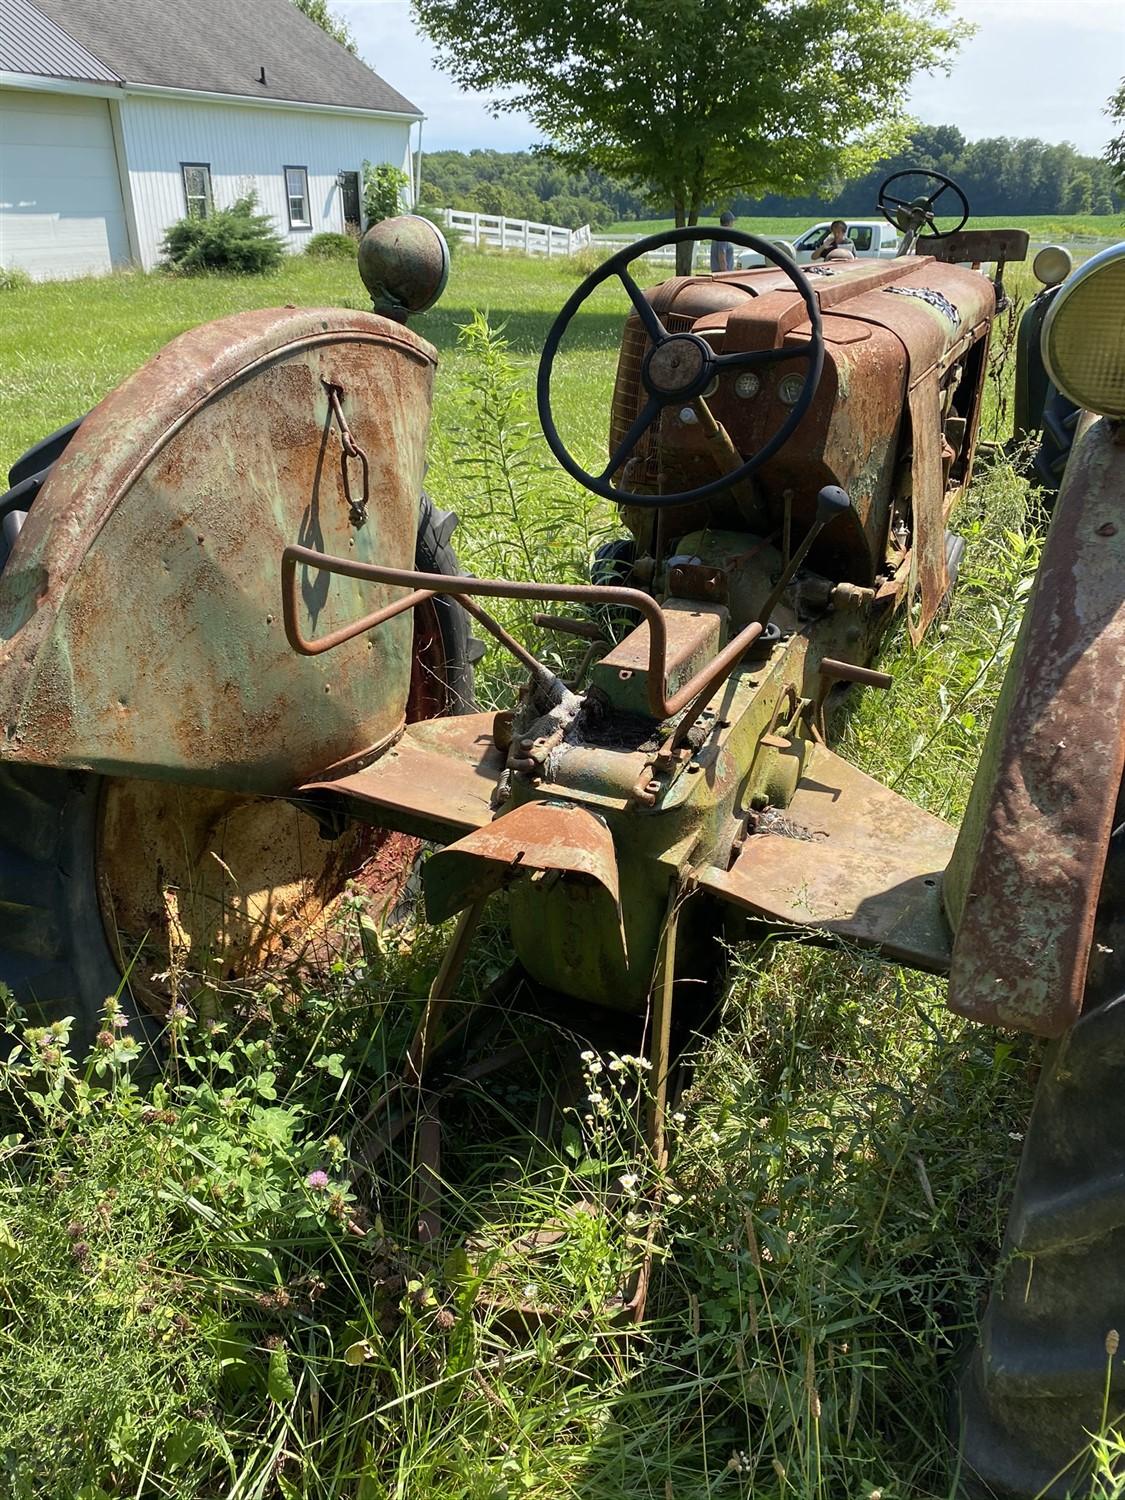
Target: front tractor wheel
(104, 877)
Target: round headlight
(1083, 339)
(1052, 264)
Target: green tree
(327, 20)
(1079, 194)
(383, 190)
(700, 99)
(1115, 151)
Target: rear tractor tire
(106, 882)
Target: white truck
(874, 239)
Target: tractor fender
(140, 608)
(1022, 888)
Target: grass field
(1061, 227)
(205, 1285)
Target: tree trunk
(684, 251)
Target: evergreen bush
(228, 239)
(331, 246)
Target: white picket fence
(515, 234)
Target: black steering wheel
(917, 214)
(678, 367)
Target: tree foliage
(1115, 151)
(999, 175)
(699, 99)
(383, 189)
(336, 27)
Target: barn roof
(31, 43)
(207, 46)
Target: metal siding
(61, 212)
(32, 43)
(247, 148)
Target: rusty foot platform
(848, 858)
(436, 782)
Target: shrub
(331, 246)
(229, 239)
(13, 279)
(586, 261)
(382, 190)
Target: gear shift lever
(831, 502)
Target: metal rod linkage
(424, 586)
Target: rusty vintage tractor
(235, 670)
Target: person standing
(722, 251)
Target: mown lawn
(206, 1284)
(63, 345)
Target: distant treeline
(999, 176)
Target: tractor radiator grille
(629, 396)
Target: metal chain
(349, 448)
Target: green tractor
(236, 672)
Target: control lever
(832, 501)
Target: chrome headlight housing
(1052, 264)
(1083, 339)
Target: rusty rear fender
(140, 609)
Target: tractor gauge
(747, 385)
(790, 389)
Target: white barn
(118, 117)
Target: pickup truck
(873, 240)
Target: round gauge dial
(790, 389)
(747, 385)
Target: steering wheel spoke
(751, 357)
(644, 308)
(637, 429)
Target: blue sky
(1035, 68)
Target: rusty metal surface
(213, 882)
(404, 264)
(886, 326)
(851, 859)
(695, 634)
(534, 838)
(663, 699)
(140, 629)
(225, 885)
(928, 578)
(436, 782)
(979, 245)
(1023, 889)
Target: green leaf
(279, 1382)
(9, 1245)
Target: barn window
(197, 188)
(297, 193)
